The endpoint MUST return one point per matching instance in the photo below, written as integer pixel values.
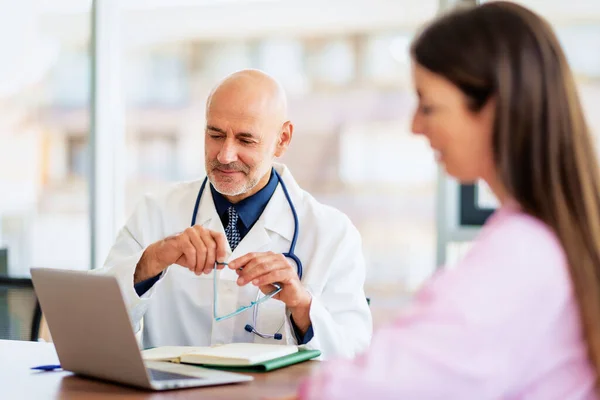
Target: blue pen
(46, 367)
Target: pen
(46, 367)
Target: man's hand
(264, 269)
(196, 249)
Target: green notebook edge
(270, 365)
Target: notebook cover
(270, 365)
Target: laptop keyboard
(157, 375)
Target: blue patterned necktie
(232, 232)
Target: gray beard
(246, 188)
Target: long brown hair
(543, 151)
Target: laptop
(93, 335)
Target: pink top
(503, 324)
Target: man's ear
(285, 137)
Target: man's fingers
(189, 251)
(211, 249)
(253, 270)
(196, 248)
(241, 262)
(261, 266)
(279, 275)
(253, 262)
(247, 260)
(221, 265)
(221, 241)
(198, 244)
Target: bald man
(192, 260)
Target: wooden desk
(19, 382)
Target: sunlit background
(346, 70)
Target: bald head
(247, 127)
(250, 91)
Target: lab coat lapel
(278, 214)
(255, 240)
(277, 217)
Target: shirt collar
(249, 209)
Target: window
(44, 87)
(156, 157)
(78, 156)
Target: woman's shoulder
(517, 247)
(515, 263)
(516, 233)
(513, 249)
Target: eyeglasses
(243, 308)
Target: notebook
(263, 357)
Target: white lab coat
(177, 310)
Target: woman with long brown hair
(519, 316)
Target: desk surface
(18, 381)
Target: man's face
(240, 146)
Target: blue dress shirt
(249, 210)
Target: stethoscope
(290, 254)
